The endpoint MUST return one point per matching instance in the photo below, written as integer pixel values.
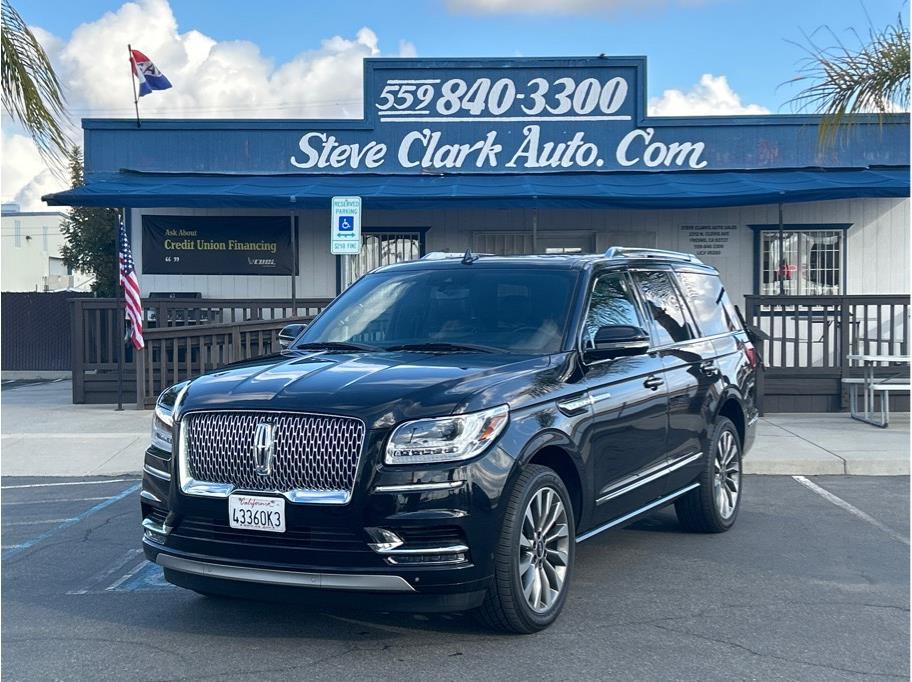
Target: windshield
(511, 310)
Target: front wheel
(713, 507)
(534, 558)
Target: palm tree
(32, 95)
(870, 78)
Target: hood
(380, 388)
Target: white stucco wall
(31, 262)
(877, 249)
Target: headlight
(161, 428)
(446, 439)
(162, 418)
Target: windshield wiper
(335, 345)
(446, 347)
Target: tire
(713, 507)
(507, 605)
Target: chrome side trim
(418, 487)
(145, 494)
(647, 476)
(574, 405)
(269, 576)
(651, 505)
(158, 473)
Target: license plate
(252, 512)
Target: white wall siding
(877, 244)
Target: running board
(626, 517)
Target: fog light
(420, 559)
(383, 540)
(156, 532)
(157, 538)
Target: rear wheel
(534, 559)
(713, 506)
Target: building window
(381, 248)
(44, 237)
(801, 262)
(17, 232)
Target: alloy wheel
(726, 475)
(544, 545)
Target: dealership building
(506, 156)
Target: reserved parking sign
(345, 227)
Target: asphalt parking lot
(802, 588)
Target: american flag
(130, 284)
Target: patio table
(872, 385)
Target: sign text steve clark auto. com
(516, 123)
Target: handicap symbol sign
(346, 223)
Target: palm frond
(32, 94)
(844, 81)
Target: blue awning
(656, 190)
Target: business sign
(216, 245)
(708, 240)
(345, 226)
(547, 115)
(504, 116)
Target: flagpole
(121, 307)
(133, 81)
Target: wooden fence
(810, 337)
(173, 354)
(96, 341)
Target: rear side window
(709, 303)
(664, 306)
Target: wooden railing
(96, 342)
(810, 338)
(173, 354)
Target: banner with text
(216, 245)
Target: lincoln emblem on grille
(263, 449)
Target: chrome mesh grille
(312, 452)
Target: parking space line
(852, 509)
(38, 522)
(70, 499)
(125, 577)
(49, 485)
(8, 554)
(99, 577)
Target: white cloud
(712, 96)
(561, 6)
(211, 79)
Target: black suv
(443, 435)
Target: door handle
(653, 383)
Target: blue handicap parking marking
(346, 223)
(149, 577)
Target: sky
(298, 59)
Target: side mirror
(289, 333)
(617, 340)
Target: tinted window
(664, 306)
(612, 303)
(521, 311)
(709, 303)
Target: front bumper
(449, 519)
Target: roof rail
(634, 252)
(442, 255)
